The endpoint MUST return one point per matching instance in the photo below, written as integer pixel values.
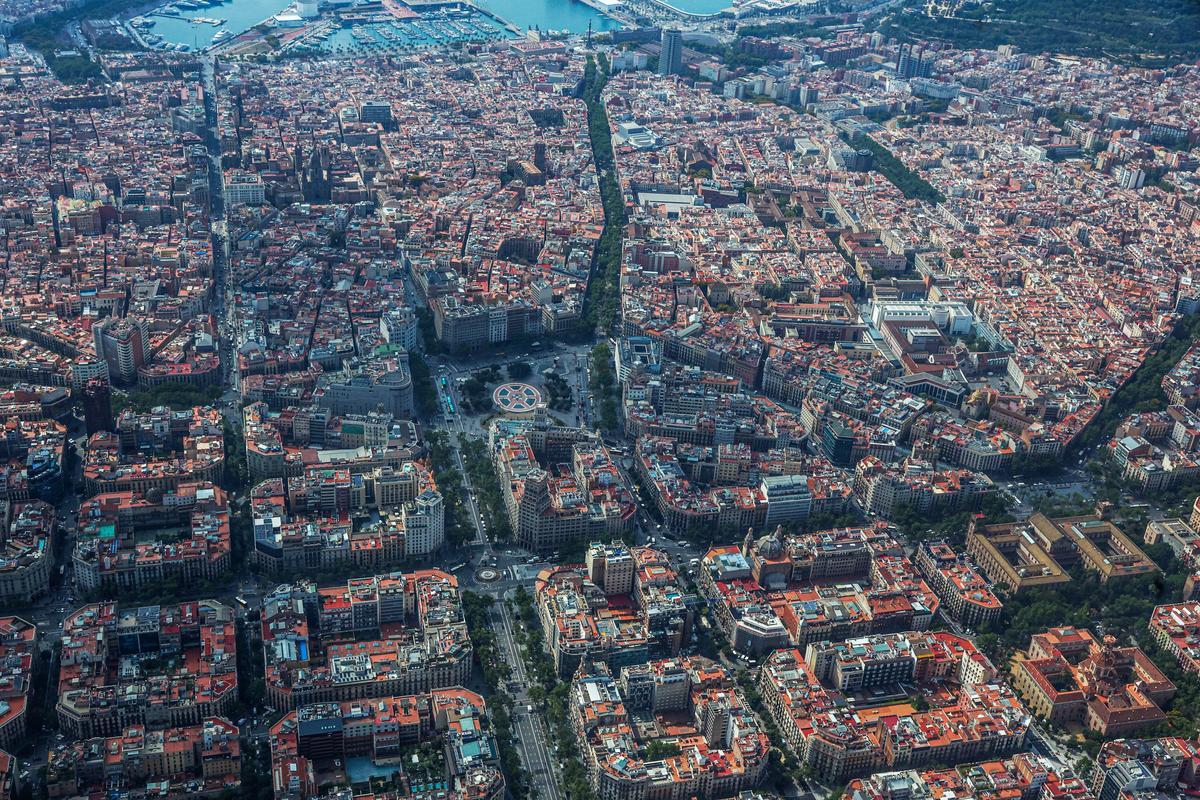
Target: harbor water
(239, 16)
(550, 15)
(177, 22)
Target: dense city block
(602, 400)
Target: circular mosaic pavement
(516, 398)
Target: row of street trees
(603, 293)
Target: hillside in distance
(1158, 34)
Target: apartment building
(319, 738)
(785, 590)
(723, 749)
(1026, 776)
(556, 496)
(376, 636)
(98, 698)
(202, 760)
(863, 662)
(18, 649)
(1142, 767)
(27, 536)
(465, 326)
(112, 551)
(1176, 628)
(124, 344)
(837, 740)
(10, 776)
(107, 467)
(884, 489)
(964, 592)
(625, 606)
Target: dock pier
(608, 11)
(487, 12)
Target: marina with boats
(195, 25)
(382, 34)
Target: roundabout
(487, 575)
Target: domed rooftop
(771, 546)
